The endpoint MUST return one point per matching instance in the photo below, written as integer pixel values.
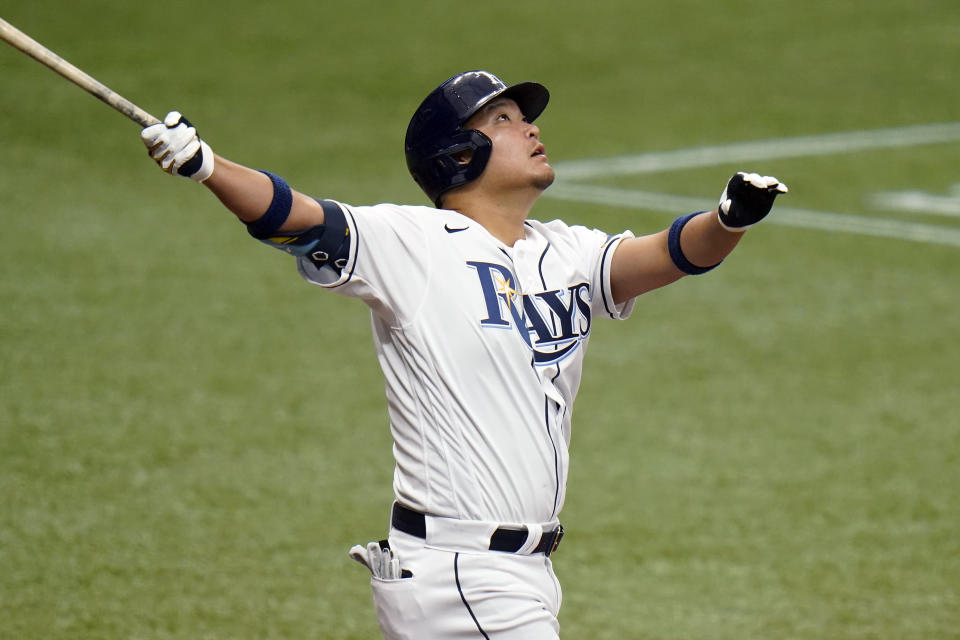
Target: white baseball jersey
(482, 348)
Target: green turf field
(191, 438)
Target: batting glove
(379, 560)
(178, 150)
(747, 200)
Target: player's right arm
(253, 196)
(249, 194)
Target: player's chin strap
(325, 245)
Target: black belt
(503, 539)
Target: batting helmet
(436, 138)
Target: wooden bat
(38, 52)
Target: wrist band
(278, 211)
(676, 253)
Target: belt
(503, 539)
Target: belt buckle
(557, 536)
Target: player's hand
(178, 150)
(747, 200)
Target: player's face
(518, 158)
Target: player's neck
(502, 214)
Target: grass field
(191, 438)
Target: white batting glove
(178, 150)
(747, 199)
(380, 561)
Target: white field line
(570, 175)
(918, 202)
(785, 216)
(804, 146)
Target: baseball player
(481, 318)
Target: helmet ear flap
(447, 164)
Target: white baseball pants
(460, 594)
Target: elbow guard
(326, 244)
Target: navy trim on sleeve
(607, 304)
(676, 252)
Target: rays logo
(551, 323)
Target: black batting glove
(747, 200)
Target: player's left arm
(694, 243)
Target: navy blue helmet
(436, 137)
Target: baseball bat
(40, 53)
